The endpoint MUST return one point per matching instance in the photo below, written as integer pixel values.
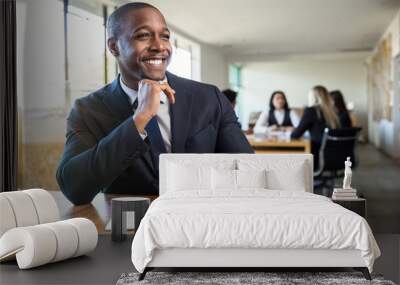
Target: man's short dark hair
(115, 20)
(230, 94)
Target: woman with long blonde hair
(316, 118)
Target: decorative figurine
(347, 174)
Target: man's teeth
(154, 61)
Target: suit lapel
(118, 103)
(179, 113)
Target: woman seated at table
(278, 117)
(316, 118)
(339, 104)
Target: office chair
(336, 146)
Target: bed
(247, 211)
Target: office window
(185, 61)
(181, 63)
(86, 39)
(235, 84)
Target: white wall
(297, 76)
(214, 66)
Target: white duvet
(250, 219)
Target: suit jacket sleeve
(88, 165)
(304, 125)
(230, 136)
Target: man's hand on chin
(149, 92)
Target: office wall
(214, 66)
(297, 75)
(383, 82)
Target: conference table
(266, 145)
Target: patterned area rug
(231, 278)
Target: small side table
(358, 205)
(119, 207)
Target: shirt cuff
(143, 135)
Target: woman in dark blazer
(340, 108)
(315, 119)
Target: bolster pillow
(40, 244)
(26, 208)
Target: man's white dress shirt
(163, 117)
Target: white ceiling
(250, 27)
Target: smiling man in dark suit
(115, 135)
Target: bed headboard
(276, 161)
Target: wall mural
(380, 80)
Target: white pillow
(223, 179)
(251, 178)
(282, 174)
(183, 178)
(292, 179)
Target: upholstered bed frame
(244, 259)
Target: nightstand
(119, 207)
(358, 205)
